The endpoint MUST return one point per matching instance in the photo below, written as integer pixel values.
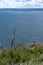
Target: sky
(21, 3)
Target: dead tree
(1, 47)
(13, 37)
(12, 43)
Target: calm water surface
(28, 25)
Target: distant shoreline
(21, 9)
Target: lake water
(28, 25)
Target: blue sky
(21, 3)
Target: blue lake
(28, 25)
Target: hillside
(22, 53)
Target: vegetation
(22, 53)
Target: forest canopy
(22, 53)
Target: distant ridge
(21, 9)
